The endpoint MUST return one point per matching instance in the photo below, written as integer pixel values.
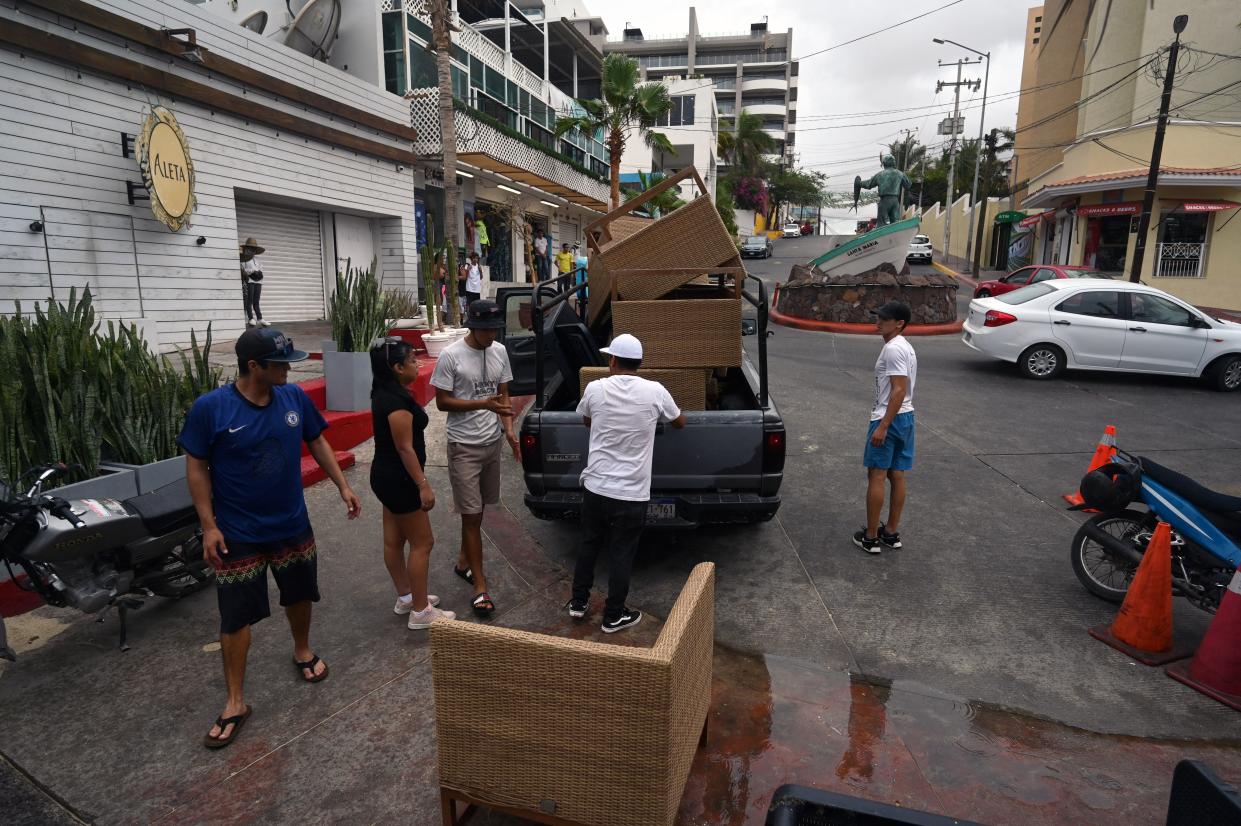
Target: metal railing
(1180, 259)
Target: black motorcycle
(96, 554)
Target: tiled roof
(1222, 171)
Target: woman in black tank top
(399, 480)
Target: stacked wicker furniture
(564, 731)
(675, 283)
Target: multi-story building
(692, 127)
(751, 72)
(1084, 156)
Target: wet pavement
(955, 676)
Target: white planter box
(155, 475)
(348, 377)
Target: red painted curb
(856, 329)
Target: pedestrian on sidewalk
(251, 283)
(471, 385)
(473, 280)
(889, 449)
(399, 480)
(541, 263)
(622, 411)
(484, 239)
(243, 447)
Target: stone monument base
(851, 299)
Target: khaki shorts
(474, 471)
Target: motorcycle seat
(165, 509)
(1203, 497)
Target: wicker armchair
(565, 731)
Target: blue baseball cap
(268, 344)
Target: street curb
(954, 274)
(848, 328)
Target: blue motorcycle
(1206, 530)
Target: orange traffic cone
(1143, 626)
(1103, 453)
(1216, 669)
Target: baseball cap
(268, 344)
(485, 315)
(624, 346)
(894, 310)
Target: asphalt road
(981, 603)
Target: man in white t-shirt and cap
(889, 451)
(622, 411)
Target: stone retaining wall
(932, 299)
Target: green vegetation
(358, 311)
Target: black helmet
(1111, 487)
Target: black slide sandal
(467, 574)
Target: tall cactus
(426, 264)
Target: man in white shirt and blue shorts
(889, 449)
(622, 412)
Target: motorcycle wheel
(1098, 569)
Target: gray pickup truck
(725, 466)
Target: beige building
(1086, 126)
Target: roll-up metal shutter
(292, 261)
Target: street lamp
(978, 152)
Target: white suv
(919, 250)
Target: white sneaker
(405, 607)
(423, 619)
(250, 322)
(264, 322)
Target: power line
(880, 31)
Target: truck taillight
(530, 458)
(773, 451)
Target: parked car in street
(791, 230)
(1034, 275)
(1096, 324)
(919, 250)
(807, 228)
(757, 246)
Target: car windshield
(920, 239)
(1089, 274)
(1024, 294)
(754, 241)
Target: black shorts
(395, 490)
(241, 579)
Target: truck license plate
(660, 511)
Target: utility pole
(991, 140)
(905, 162)
(921, 181)
(953, 130)
(1152, 175)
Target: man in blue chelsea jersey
(243, 447)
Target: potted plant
(358, 314)
(103, 404)
(403, 309)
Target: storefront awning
(1209, 206)
(1034, 219)
(1101, 210)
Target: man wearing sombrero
(251, 286)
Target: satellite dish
(255, 22)
(314, 28)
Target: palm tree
(441, 38)
(661, 204)
(743, 143)
(625, 107)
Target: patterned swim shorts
(241, 579)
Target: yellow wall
(933, 225)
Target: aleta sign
(167, 170)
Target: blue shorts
(897, 450)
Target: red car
(1034, 274)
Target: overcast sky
(893, 70)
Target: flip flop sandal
(311, 663)
(224, 722)
(483, 606)
(465, 573)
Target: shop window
(423, 73)
(394, 72)
(1182, 245)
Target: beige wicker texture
(698, 332)
(588, 732)
(692, 236)
(688, 387)
(622, 227)
(646, 285)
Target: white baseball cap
(624, 346)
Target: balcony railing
(1181, 260)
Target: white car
(791, 231)
(1095, 324)
(919, 250)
